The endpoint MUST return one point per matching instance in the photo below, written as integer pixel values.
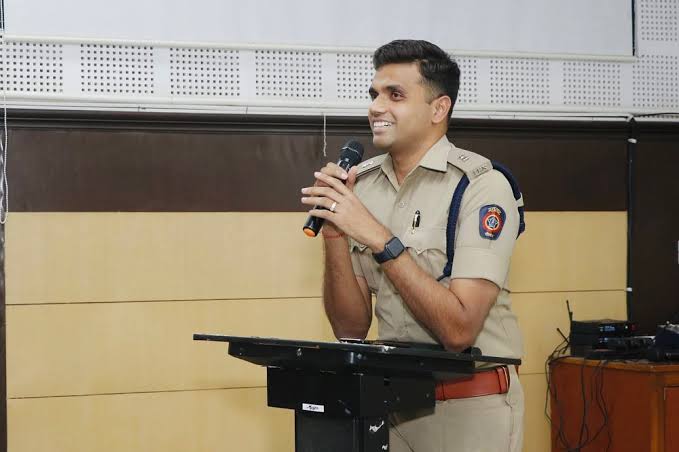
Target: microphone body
(350, 155)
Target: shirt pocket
(428, 247)
(362, 256)
(354, 245)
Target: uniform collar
(435, 159)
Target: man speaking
(437, 263)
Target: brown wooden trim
(131, 162)
(631, 366)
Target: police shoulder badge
(491, 221)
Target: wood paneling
(103, 257)
(95, 162)
(655, 243)
(194, 421)
(235, 419)
(536, 426)
(569, 251)
(628, 403)
(671, 418)
(558, 171)
(149, 171)
(71, 258)
(133, 347)
(3, 347)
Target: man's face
(401, 113)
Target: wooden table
(641, 400)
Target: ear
(441, 106)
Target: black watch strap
(392, 249)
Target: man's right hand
(349, 179)
(346, 297)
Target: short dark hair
(437, 68)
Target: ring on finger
(332, 207)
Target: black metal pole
(634, 28)
(631, 152)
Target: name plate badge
(314, 408)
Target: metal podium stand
(343, 392)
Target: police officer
(385, 234)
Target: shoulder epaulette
(370, 165)
(470, 163)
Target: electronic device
(607, 338)
(604, 327)
(667, 336)
(666, 347)
(615, 347)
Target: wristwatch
(392, 249)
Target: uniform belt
(486, 382)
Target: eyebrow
(390, 88)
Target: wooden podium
(343, 392)
(640, 399)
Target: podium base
(315, 433)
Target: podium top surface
(387, 358)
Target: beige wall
(101, 308)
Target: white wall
(520, 58)
(601, 27)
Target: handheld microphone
(350, 155)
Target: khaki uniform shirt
(429, 188)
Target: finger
(320, 213)
(318, 183)
(318, 201)
(333, 183)
(326, 192)
(334, 170)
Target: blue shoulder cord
(515, 190)
(454, 213)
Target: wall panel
(101, 348)
(536, 426)
(655, 246)
(236, 419)
(104, 257)
(73, 258)
(211, 163)
(132, 347)
(192, 421)
(570, 251)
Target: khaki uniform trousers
(492, 423)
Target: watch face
(394, 247)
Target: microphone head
(352, 152)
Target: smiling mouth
(381, 125)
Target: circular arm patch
(491, 221)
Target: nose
(377, 107)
